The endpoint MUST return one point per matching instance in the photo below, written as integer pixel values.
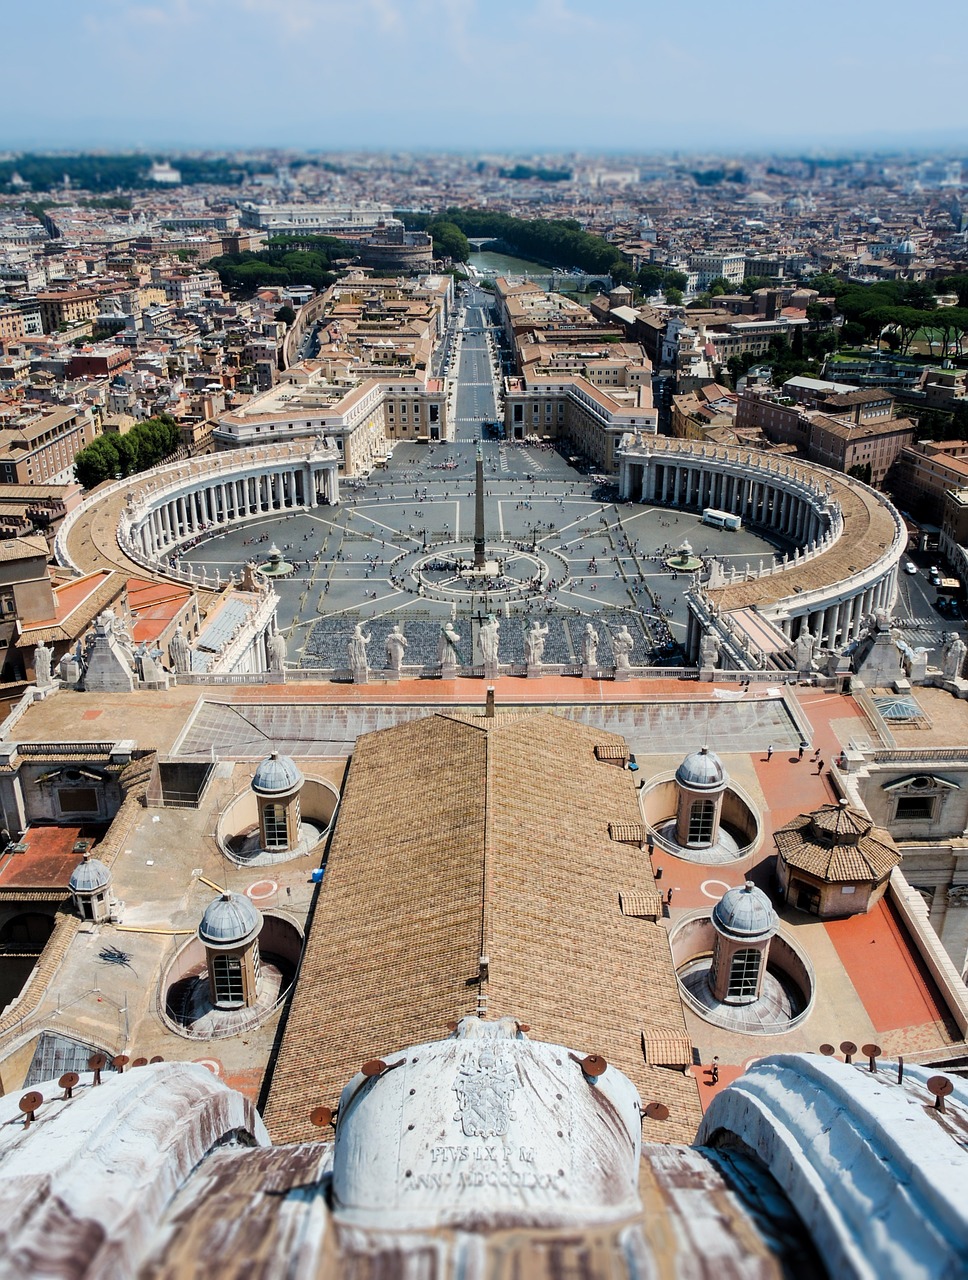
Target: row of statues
(449, 655)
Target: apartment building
(40, 448)
(578, 382)
(846, 445)
(927, 469)
(713, 266)
(852, 428)
(67, 308)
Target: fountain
(276, 566)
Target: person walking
(769, 752)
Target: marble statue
(122, 635)
(394, 645)
(180, 653)
(447, 654)
(709, 650)
(589, 646)
(953, 657)
(805, 649)
(42, 657)
(149, 670)
(357, 648)
(489, 640)
(622, 646)
(534, 643)
(276, 650)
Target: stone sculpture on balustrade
(953, 657)
(488, 640)
(357, 654)
(622, 646)
(447, 651)
(534, 646)
(42, 657)
(394, 646)
(589, 651)
(181, 656)
(276, 652)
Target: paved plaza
(563, 549)
(559, 547)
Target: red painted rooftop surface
(48, 862)
(887, 973)
(70, 595)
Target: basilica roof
(462, 837)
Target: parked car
(910, 566)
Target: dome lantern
(277, 783)
(229, 931)
(90, 885)
(745, 922)
(701, 781)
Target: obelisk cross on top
(480, 559)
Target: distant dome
(745, 913)
(702, 771)
(89, 875)
(230, 920)
(760, 198)
(276, 775)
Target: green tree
(286, 315)
(852, 334)
(449, 241)
(826, 285)
(145, 445)
(650, 279)
(673, 296)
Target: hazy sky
(484, 74)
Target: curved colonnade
(849, 539)
(171, 505)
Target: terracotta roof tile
(646, 904)
(461, 837)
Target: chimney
(489, 705)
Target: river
(503, 264)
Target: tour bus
(721, 519)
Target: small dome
(229, 920)
(275, 775)
(745, 913)
(89, 875)
(702, 771)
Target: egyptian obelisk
(480, 560)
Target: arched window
(702, 816)
(276, 828)
(744, 973)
